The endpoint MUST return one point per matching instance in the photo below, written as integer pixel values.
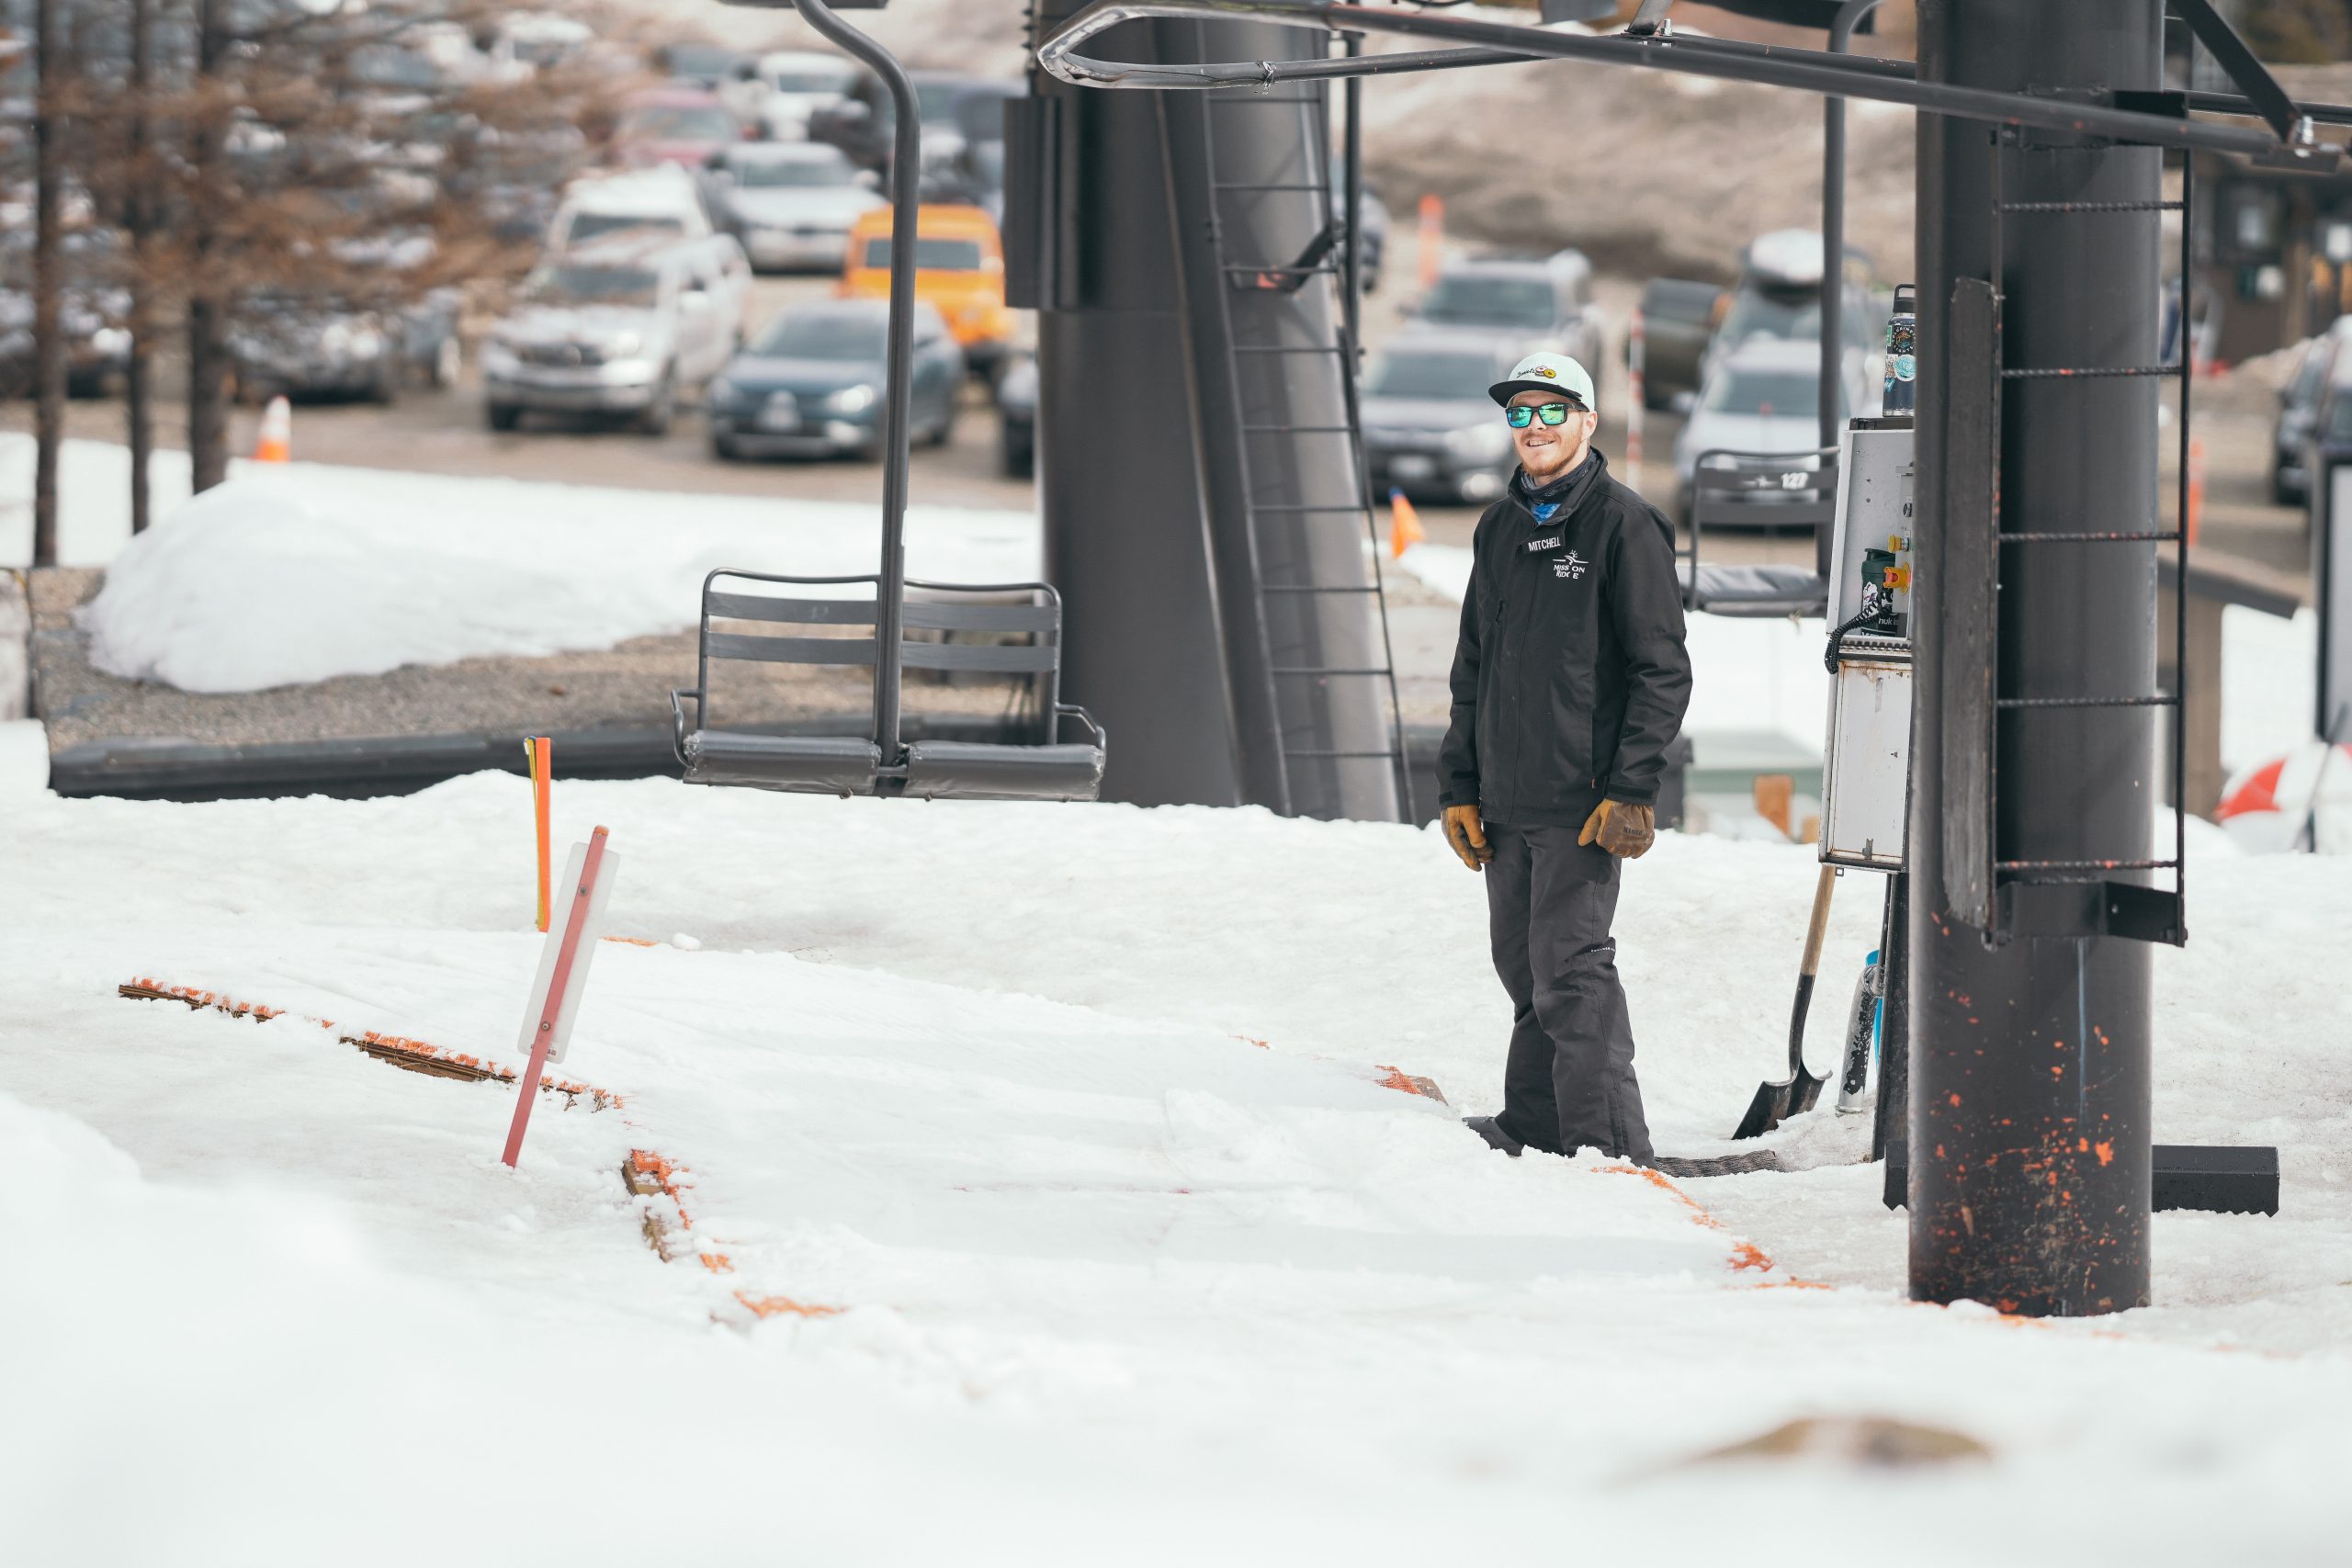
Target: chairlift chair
(1725, 486)
(879, 762)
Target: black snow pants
(1568, 1083)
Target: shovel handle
(1820, 926)
(1812, 935)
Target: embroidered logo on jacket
(1551, 544)
(1570, 565)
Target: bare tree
(49, 285)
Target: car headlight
(366, 342)
(625, 345)
(1487, 438)
(851, 400)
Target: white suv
(617, 326)
(664, 203)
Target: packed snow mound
(307, 572)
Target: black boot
(1487, 1128)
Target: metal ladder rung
(2089, 372)
(1320, 269)
(1311, 588)
(2090, 207)
(1385, 756)
(2159, 538)
(1253, 188)
(2087, 865)
(1328, 670)
(1357, 506)
(2162, 700)
(1332, 349)
(1234, 100)
(1297, 430)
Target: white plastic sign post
(578, 906)
(567, 889)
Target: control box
(1866, 758)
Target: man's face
(1545, 450)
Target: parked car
(791, 203)
(663, 203)
(1764, 399)
(309, 345)
(709, 66)
(2298, 419)
(800, 84)
(959, 269)
(621, 325)
(1429, 428)
(1016, 414)
(1545, 302)
(1679, 319)
(1778, 296)
(674, 125)
(864, 123)
(811, 385)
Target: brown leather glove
(1466, 831)
(1621, 828)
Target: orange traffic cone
(1405, 528)
(2196, 486)
(277, 442)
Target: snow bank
(306, 573)
(1116, 1279)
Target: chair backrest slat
(811, 612)
(950, 615)
(791, 649)
(1000, 658)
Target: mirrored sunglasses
(1522, 415)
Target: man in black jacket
(1569, 682)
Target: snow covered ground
(1076, 1117)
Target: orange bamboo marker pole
(542, 754)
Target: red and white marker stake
(564, 975)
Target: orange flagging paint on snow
(1745, 1254)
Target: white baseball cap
(1546, 373)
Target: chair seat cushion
(965, 769)
(809, 765)
(1757, 589)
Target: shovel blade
(1765, 1111)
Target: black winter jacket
(1571, 677)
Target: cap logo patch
(1543, 370)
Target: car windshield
(811, 81)
(679, 122)
(2339, 413)
(1769, 394)
(1795, 317)
(1474, 300)
(771, 173)
(1431, 374)
(937, 101)
(698, 60)
(2304, 389)
(930, 255)
(589, 225)
(827, 336)
(595, 286)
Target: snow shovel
(1776, 1102)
